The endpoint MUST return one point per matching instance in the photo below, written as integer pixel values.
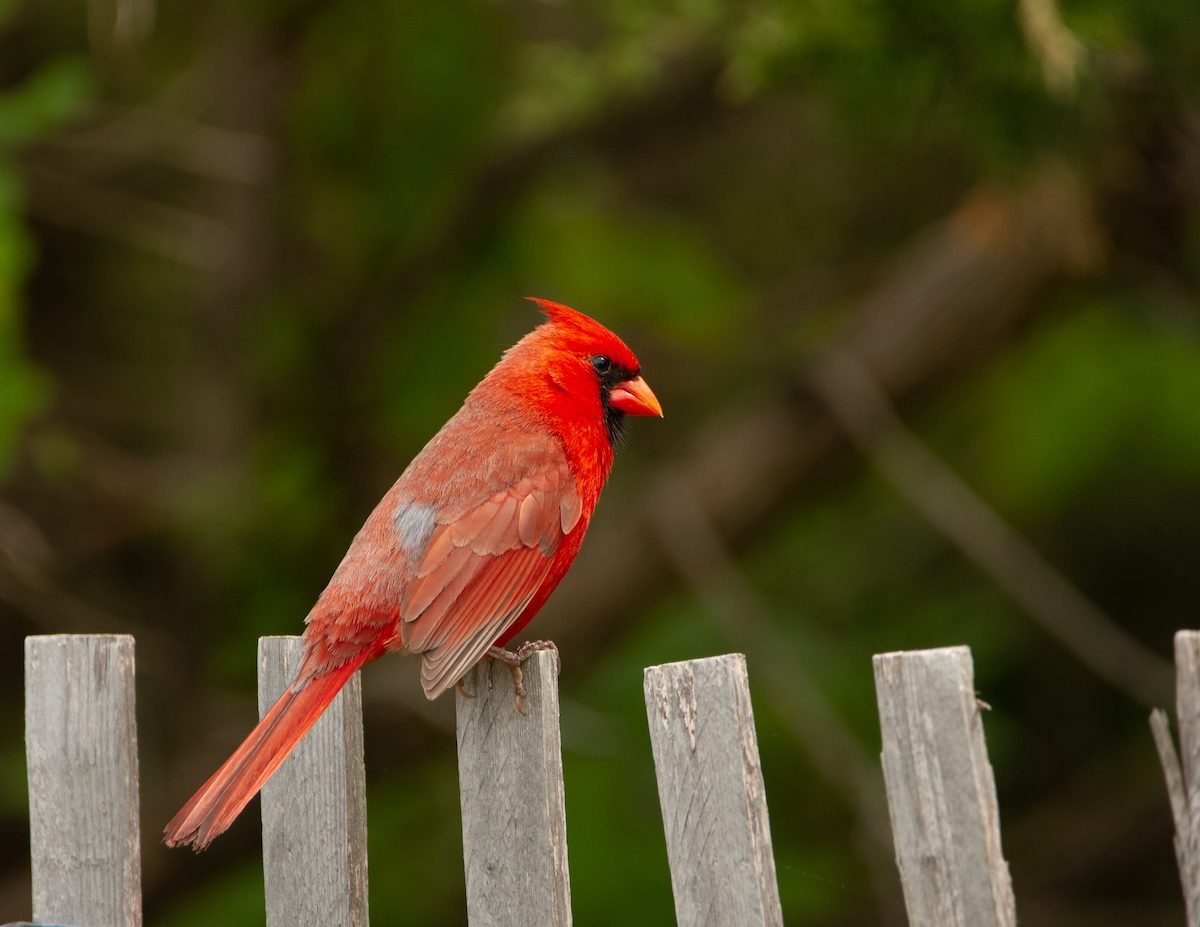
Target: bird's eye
(602, 364)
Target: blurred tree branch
(120, 136)
(194, 240)
(943, 499)
(1059, 52)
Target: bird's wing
(482, 567)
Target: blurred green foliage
(36, 106)
(195, 438)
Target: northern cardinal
(466, 546)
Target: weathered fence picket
(1183, 781)
(511, 791)
(81, 754)
(314, 809)
(941, 792)
(710, 787)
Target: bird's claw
(461, 685)
(513, 660)
(531, 647)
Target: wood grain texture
(1183, 773)
(314, 809)
(1184, 842)
(941, 791)
(1187, 706)
(511, 792)
(81, 753)
(710, 788)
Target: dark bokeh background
(253, 254)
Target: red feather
(462, 551)
(221, 799)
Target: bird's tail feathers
(221, 799)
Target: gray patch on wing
(414, 523)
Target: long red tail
(221, 799)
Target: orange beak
(634, 397)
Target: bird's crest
(560, 314)
(577, 326)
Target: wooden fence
(81, 743)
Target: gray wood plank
(941, 792)
(1187, 707)
(81, 755)
(314, 809)
(511, 792)
(710, 788)
(1183, 778)
(1185, 849)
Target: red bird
(464, 549)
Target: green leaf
(47, 99)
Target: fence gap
(81, 756)
(314, 810)
(941, 791)
(511, 790)
(711, 791)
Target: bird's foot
(461, 685)
(513, 660)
